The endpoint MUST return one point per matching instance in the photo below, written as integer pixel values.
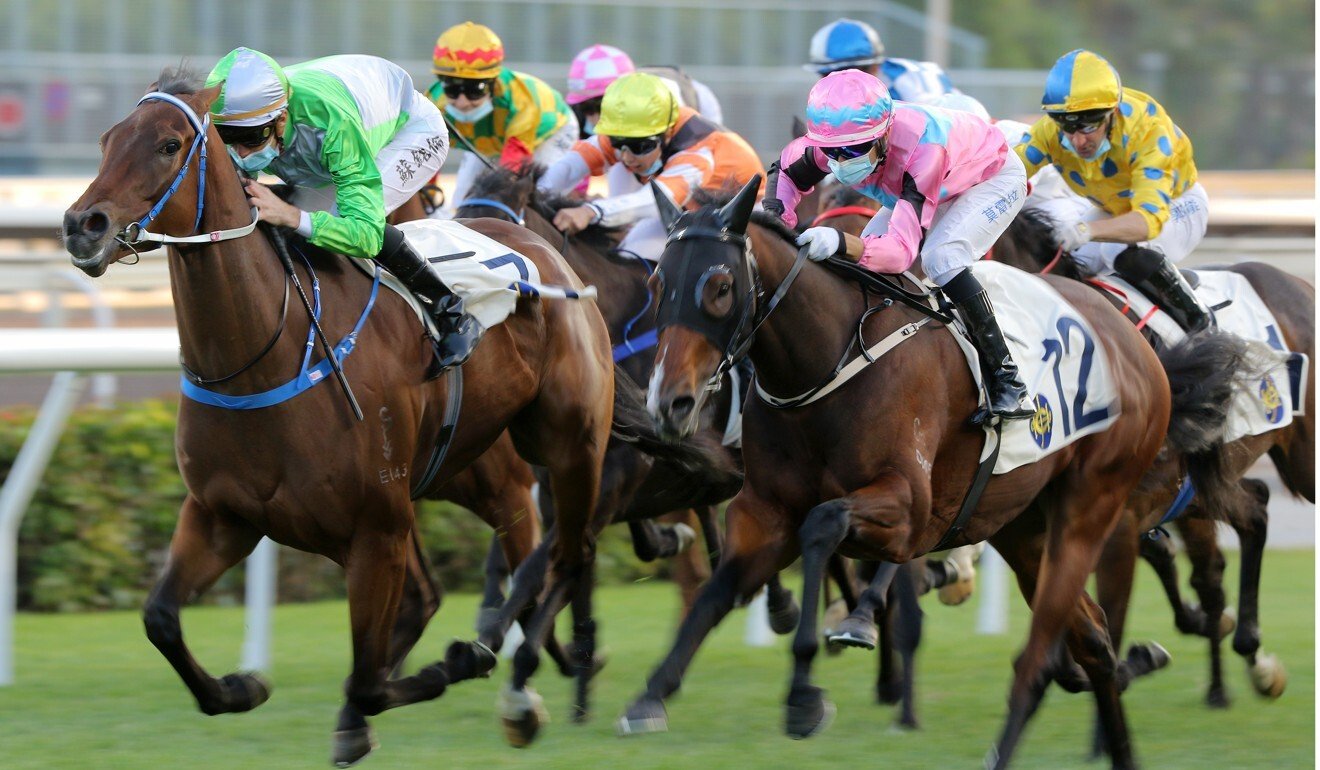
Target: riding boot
(1004, 384)
(459, 331)
(1152, 273)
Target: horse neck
(806, 334)
(226, 293)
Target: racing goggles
(637, 145)
(247, 136)
(848, 151)
(472, 89)
(1087, 122)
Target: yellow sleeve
(1153, 170)
(1034, 152)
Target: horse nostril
(681, 408)
(95, 224)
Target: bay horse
(634, 489)
(1291, 449)
(879, 469)
(304, 472)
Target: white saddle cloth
(489, 276)
(1272, 400)
(1062, 362)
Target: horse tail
(1205, 372)
(699, 453)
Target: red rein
(843, 211)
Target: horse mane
(180, 79)
(713, 199)
(1033, 232)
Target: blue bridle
(199, 125)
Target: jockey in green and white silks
(356, 140)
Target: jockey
(851, 44)
(509, 117)
(595, 68)
(949, 187)
(643, 127)
(1136, 206)
(356, 141)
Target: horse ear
(206, 97)
(799, 127)
(669, 213)
(738, 211)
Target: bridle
(135, 233)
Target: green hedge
(98, 529)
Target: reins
(843, 211)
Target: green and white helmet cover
(254, 89)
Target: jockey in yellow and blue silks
(1137, 207)
(355, 140)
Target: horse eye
(724, 289)
(170, 147)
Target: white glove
(821, 242)
(1073, 236)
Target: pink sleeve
(896, 249)
(785, 190)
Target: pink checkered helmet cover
(593, 70)
(848, 107)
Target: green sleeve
(359, 228)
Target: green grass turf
(92, 692)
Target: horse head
(706, 288)
(145, 160)
(501, 193)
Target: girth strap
(970, 502)
(446, 436)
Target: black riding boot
(459, 332)
(1007, 393)
(1152, 273)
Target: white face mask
(486, 107)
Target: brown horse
(1292, 450)
(304, 472)
(634, 489)
(818, 480)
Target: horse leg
(888, 685)
(1114, 575)
(652, 540)
(783, 609)
(586, 663)
(755, 553)
(1080, 520)
(1089, 643)
(204, 546)
(1159, 553)
(421, 600)
(575, 481)
(496, 570)
(1267, 673)
(905, 622)
(1199, 538)
(690, 568)
(859, 628)
(710, 530)
(824, 528)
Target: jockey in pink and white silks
(948, 184)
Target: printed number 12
(1056, 349)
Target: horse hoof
(1268, 676)
(350, 746)
(522, 712)
(685, 536)
(469, 660)
(1227, 623)
(1147, 657)
(954, 594)
(834, 615)
(959, 565)
(645, 715)
(243, 692)
(888, 693)
(1217, 699)
(855, 632)
(807, 714)
(784, 619)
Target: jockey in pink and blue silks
(948, 184)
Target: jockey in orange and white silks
(643, 129)
(1136, 206)
(948, 185)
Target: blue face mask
(473, 115)
(589, 128)
(256, 161)
(853, 170)
(655, 167)
(1101, 150)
